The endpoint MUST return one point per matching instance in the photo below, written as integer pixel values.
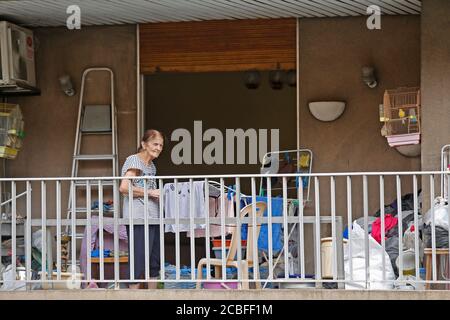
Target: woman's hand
(154, 193)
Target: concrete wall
(435, 77)
(332, 53)
(51, 118)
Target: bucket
(409, 262)
(68, 281)
(220, 285)
(326, 255)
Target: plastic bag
(375, 263)
(440, 214)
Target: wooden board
(219, 45)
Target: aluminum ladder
(82, 123)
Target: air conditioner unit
(17, 69)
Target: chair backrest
(260, 207)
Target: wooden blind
(220, 45)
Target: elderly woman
(141, 164)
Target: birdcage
(11, 130)
(402, 116)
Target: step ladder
(93, 120)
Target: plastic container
(409, 262)
(403, 139)
(218, 243)
(70, 281)
(326, 254)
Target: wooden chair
(429, 264)
(245, 263)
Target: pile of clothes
(391, 228)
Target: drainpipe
(297, 54)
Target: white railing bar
(350, 225)
(191, 227)
(216, 220)
(222, 228)
(73, 243)
(161, 228)
(44, 230)
(285, 230)
(448, 216)
(382, 217)
(255, 239)
(146, 239)
(336, 174)
(416, 228)
(400, 227)
(366, 232)
(88, 230)
(131, 229)
(28, 231)
(238, 228)
(279, 280)
(208, 231)
(13, 228)
(116, 203)
(433, 228)
(10, 200)
(301, 235)
(177, 231)
(269, 227)
(58, 230)
(317, 241)
(100, 230)
(333, 226)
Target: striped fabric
(134, 162)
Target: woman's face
(153, 147)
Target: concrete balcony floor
(278, 294)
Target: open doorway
(222, 101)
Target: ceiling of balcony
(40, 13)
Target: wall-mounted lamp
(252, 79)
(291, 77)
(276, 78)
(368, 77)
(326, 110)
(66, 85)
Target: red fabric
(389, 223)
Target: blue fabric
(96, 253)
(263, 240)
(345, 233)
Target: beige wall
(51, 118)
(435, 49)
(332, 53)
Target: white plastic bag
(9, 280)
(359, 267)
(440, 214)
